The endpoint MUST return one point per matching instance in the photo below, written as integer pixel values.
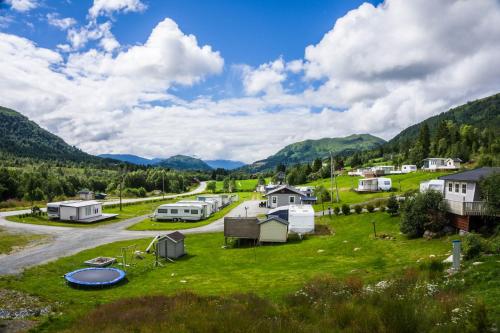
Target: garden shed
(273, 229)
(171, 246)
(241, 227)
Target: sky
(234, 79)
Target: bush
(393, 206)
(336, 210)
(382, 208)
(472, 246)
(346, 210)
(425, 211)
(370, 208)
(358, 209)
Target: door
(274, 201)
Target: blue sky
(240, 79)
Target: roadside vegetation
(11, 241)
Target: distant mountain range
(179, 162)
(308, 150)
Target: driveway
(67, 241)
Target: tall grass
(325, 304)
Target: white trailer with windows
(207, 207)
(374, 184)
(407, 168)
(179, 212)
(301, 219)
(215, 197)
(53, 208)
(433, 184)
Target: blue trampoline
(95, 277)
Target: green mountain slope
(22, 138)
(182, 162)
(482, 113)
(307, 151)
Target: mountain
(23, 138)
(307, 151)
(482, 113)
(182, 162)
(133, 159)
(224, 164)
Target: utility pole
(122, 176)
(332, 179)
(163, 183)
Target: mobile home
(53, 208)
(179, 212)
(433, 184)
(407, 168)
(207, 207)
(301, 219)
(77, 211)
(217, 198)
(374, 184)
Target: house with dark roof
(288, 195)
(462, 192)
(273, 229)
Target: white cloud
(108, 7)
(61, 23)
(79, 37)
(384, 67)
(266, 78)
(23, 5)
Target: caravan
(180, 212)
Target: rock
(345, 241)
(430, 234)
(182, 281)
(432, 256)
(357, 248)
(476, 263)
(449, 230)
(321, 251)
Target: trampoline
(95, 277)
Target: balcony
(474, 208)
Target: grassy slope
(405, 182)
(267, 270)
(149, 224)
(10, 241)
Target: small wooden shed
(241, 227)
(171, 246)
(273, 229)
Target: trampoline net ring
(95, 276)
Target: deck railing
(466, 207)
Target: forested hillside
(182, 162)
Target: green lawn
(401, 183)
(270, 271)
(128, 211)
(149, 224)
(244, 185)
(9, 241)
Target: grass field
(9, 241)
(269, 271)
(149, 224)
(244, 185)
(400, 183)
(128, 211)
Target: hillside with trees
(182, 162)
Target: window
(96, 210)
(274, 199)
(450, 187)
(186, 211)
(291, 199)
(53, 209)
(88, 210)
(386, 182)
(194, 211)
(174, 211)
(464, 188)
(457, 187)
(162, 211)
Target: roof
(84, 191)
(472, 175)
(175, 236)
(301, 210)
(81, 203)
(180, 204)
(273, 218)
(285, 187)
(58, 203)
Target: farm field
(271, 271)
(401, 183)
(149, 224)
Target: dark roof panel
(472, 175)
(176, 236)
(274, 218)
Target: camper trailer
(374, 184)
(53, 208)
(86, 211)
(434, 184)
(207, 207)
(301, 219)
(180, 212)
(408, 168)
(216, 198)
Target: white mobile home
(383, 169)
(53, 208)
(407, 168)
(77, 211)
(215, 197)
(374, 184)
(179, 212)
(434, 184)
(434, 164)
(301, 219)
(207, 207)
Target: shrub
(382, 208)
(425, 211)
(336, 210)
(370, 208)
(358, 209)
(393, 206)
(472, 246)
(346, 210)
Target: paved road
(200, 189)
(67, 241)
